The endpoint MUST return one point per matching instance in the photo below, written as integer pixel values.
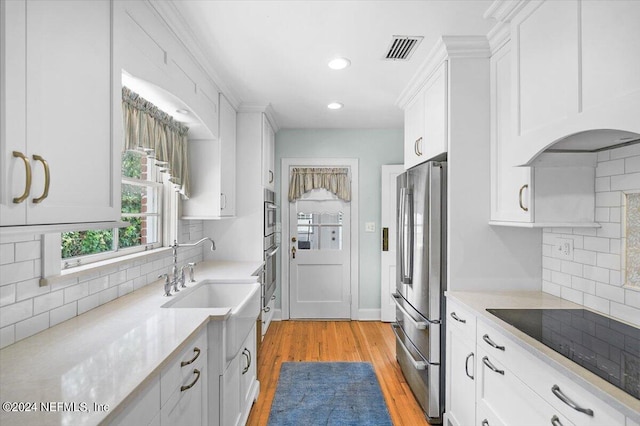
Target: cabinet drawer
(461, 318)
(542, 379)
(194, 355)
(500, 391)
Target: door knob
(293, 239)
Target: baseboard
(277, 315)
(369, 315)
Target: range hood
(594, 141)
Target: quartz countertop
(479, 302)
(106, 355)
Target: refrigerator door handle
(420, 325)
(406, 233)
(417, 364)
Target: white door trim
(286, 164)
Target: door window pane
(319, 231)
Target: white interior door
(319, 257)
(388, 255)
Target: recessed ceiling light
(182, 111)
(339, 63)
(335, 105)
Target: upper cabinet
(60, 152)
(575, 69)
(425, 120)
(268, 154)
(213, 171)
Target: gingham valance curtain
(334, 180)
(148, 128)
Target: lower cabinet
(238, 385)
(491, 380)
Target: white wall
(593, 276)
(28, 308)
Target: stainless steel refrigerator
(421, 282)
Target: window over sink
(146, 195)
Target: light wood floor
(368, 341)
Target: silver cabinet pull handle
(457, 318)
(522, 188)
(47, 179)
(196, 350)
(270, 176)
(492, 367)
(223, 197)
(564, 398)
(555, 421)
(266, 309)
(485, 422)
(189, 386)
(466, 365)
(417, 147)
(491, 343)
(247, 353)
(273, 297)
(27, 182)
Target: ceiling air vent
(402, 47)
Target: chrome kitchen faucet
(176, 280)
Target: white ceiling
(277, 52)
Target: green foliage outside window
(82, 243)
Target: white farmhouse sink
(242, 298)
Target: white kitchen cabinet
(574, 69)
(213, 171)
(559, 191)
(460, 389)
(268, 154)
(183, 386)
(425, 120)
(509, 383)
(144, 409)
(60, 114)
(239, 386)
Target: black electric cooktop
(602, 345)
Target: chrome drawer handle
(492, 367)
(564, 398)
(417, 364)
(555, 421)
(525, 186)
(420, 325)
(266, 309)
(491, 343)
(457, 318)
(247, 353)
(187, 387)
(466, 366)
(485, 422)
(196, 350)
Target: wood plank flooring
(368, 341)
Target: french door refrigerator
(421, 282)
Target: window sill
(96, 267)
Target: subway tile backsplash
(594, 274)
(28, 308)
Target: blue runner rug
(328, 393)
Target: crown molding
(498, 36)
(504, 10)
(266, 108)
(445, 47)
(177, 24)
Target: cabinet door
(69, 112)
(268, 154)
(228, 158)
(230, 393)
(414, 131)
(248, 370)
(510, 186)
(435, 114)
(461, 392)
(188, 404)
(13, 170)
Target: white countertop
(108, 354)
(479, 302)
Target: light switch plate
(370, 227)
